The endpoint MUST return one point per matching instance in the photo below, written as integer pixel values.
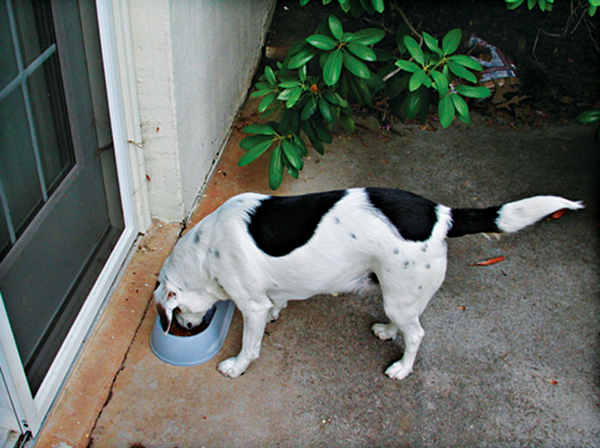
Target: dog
(262, 251)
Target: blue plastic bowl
(192, 350)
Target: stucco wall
(194, 62)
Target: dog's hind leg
(255, 321)
(275, 310)
(410, 327)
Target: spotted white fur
(219, 260)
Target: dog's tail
(507, 218)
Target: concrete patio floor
(511, 352)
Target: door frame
(113, 23)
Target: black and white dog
(261, 251)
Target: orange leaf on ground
(490, 261)
(557, 214)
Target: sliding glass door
(60, 213)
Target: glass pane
(17, 161)
(8, 63)
(36, 33)
(50, 118)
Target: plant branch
(408, 23)
(412, 30)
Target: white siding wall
(194, 62)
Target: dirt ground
(557, 53)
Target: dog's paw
(385, 331)
(398, 370)
(232, 368)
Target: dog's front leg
(254, 327)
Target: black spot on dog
(281, 224)
(406, 264)
(353, 236)
(396, 251)
(197, 237)
(412, 215)
(427, 266)
(336, 220)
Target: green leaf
(367, 6)
(267, 101)
(289, 83)
(294, 97)
(440, 82)
(589, 116)
(276, 168)
(263, 129)
(368, 36)
(378, 5)
(302, 57)
(309, 108)
(466, 61)
(432, 43)
(251, 141)
(336, 27)
(293, 172)
(292, 154)
(396, 85)
(355, 66)
(302, 73)
(255, 153)
(361, 90)
(312, 136)
(361, 51)
(413, 103)
(331, 97)
(466, 118)
(461, 71)
(345, 5)
(414, 49)
(408, 66)
(459, 104)
(321, 131)
(512, 5)
(347, 122)
(473, 91)
(326, 110)
(321, 42)
(333, 67)
(418, 79)
(446, 111)
(343, 103)
(300, 145)
(270, 75)
(259, 93)
(451, 41)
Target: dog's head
(188, 307)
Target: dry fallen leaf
(489, 262)
(558, 214)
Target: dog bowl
(192, 350)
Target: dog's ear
(165, 309)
